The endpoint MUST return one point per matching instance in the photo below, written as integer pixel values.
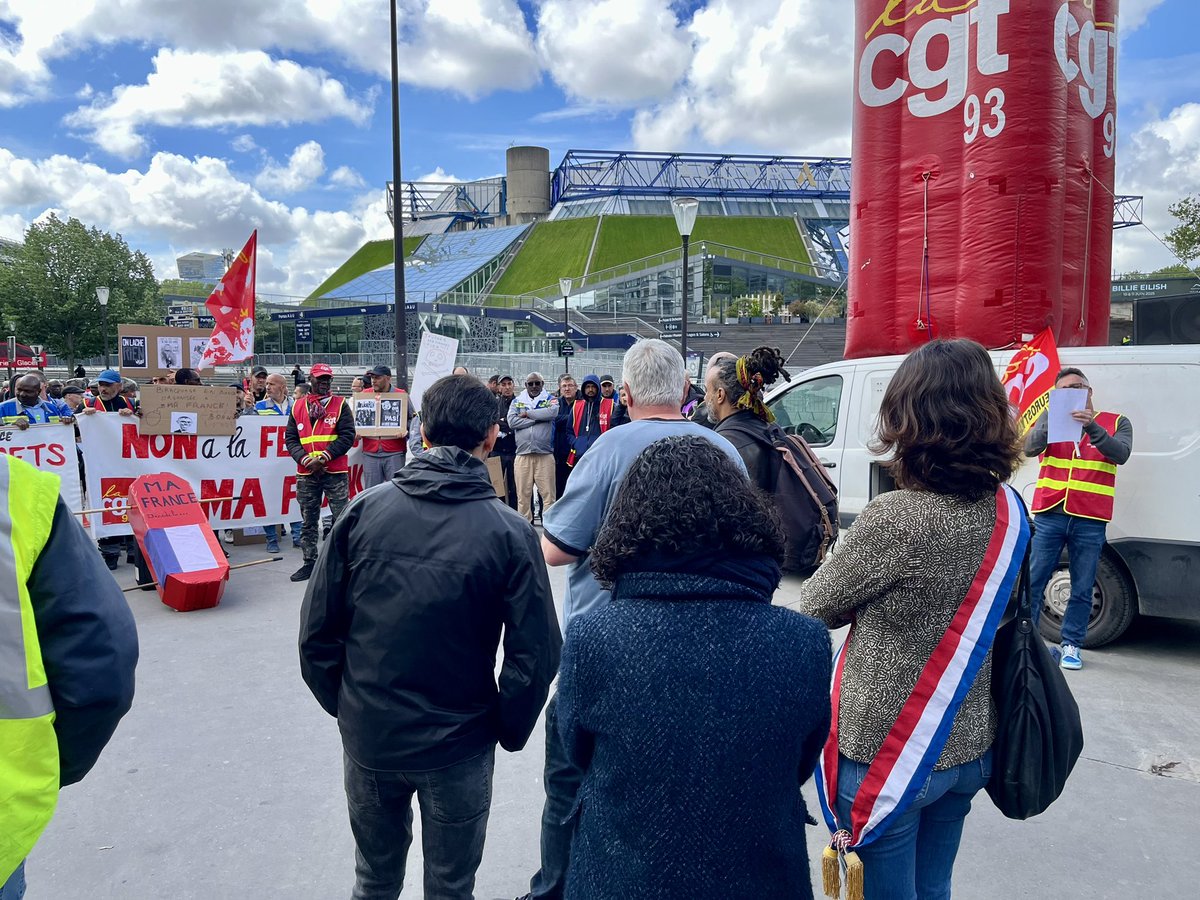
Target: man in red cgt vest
(320, 432)
(1072, 505)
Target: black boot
(303, 573)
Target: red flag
(1029, 378)
(232, 306)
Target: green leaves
(48, 288)
(1184, 238)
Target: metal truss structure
(479, 202)
(585, 174)
(1127, 211)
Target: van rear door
(815, 408)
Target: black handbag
(1039, 735)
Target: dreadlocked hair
(745, 377)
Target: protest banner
(435, 359)
(188, 409)
(251, 465)
(1029, 378)
(50, 448)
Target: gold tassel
(854, 876)
(831, 873)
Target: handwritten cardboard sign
(153, 351)
(435, 359)
(380, 415)
(187, 409)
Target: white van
(1151, 564)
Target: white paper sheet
(1059, 424)
(191, 547)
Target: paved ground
(224, 780)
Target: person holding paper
(1073, 504)
(382, 457)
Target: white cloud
(13, 226)
(441, 176)
(1134, 13)
(346, 177)
(205, 90)
(192, 204)
(244, 143)
(765, 74)
(472, 47)
(613, 51)
(1160, 161)
(303, 168)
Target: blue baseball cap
(109, 376)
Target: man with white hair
(654, 384)
(531, 417)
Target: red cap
(320, 369)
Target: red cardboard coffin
(177, 543)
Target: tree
(1184, 238)
(48, 288)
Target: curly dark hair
(763, 366)
(947, 418)
(679, 494)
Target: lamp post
(564, 285)
(102, 297)
(685, 209)
(400, 323)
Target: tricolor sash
(919, 734)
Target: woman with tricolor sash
(922, 578)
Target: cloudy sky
(185, 124)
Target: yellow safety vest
(29, 773)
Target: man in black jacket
(398, 640)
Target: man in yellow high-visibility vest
(67, 657)
(1072, 506)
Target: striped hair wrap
(753, 385)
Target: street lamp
(685, 209)
(102, 297)
(564, 285)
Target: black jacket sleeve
(325, 617)
(89, 644)
(345, 433)
(291, 440)
(532, 643)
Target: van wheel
(1113, 604)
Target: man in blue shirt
(28, 408)
(654, 383)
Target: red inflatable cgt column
(984, 140)
(177, 543)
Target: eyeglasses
(1077, 386)
(533, 384)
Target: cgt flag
(232, 306)
(1029, 378)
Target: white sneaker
(227, 535)
(1071, 658)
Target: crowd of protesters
(688, 710)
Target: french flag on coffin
(180, 548)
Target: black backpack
(806, 498)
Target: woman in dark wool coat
(695, 707)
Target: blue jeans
(1084, 539)
(272, 533)
(562, 779)
(929, 831)
(454, 802)
(14, 888)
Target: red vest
(1084, 480)
(97, 404)
(319, 435)
(607, 404)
